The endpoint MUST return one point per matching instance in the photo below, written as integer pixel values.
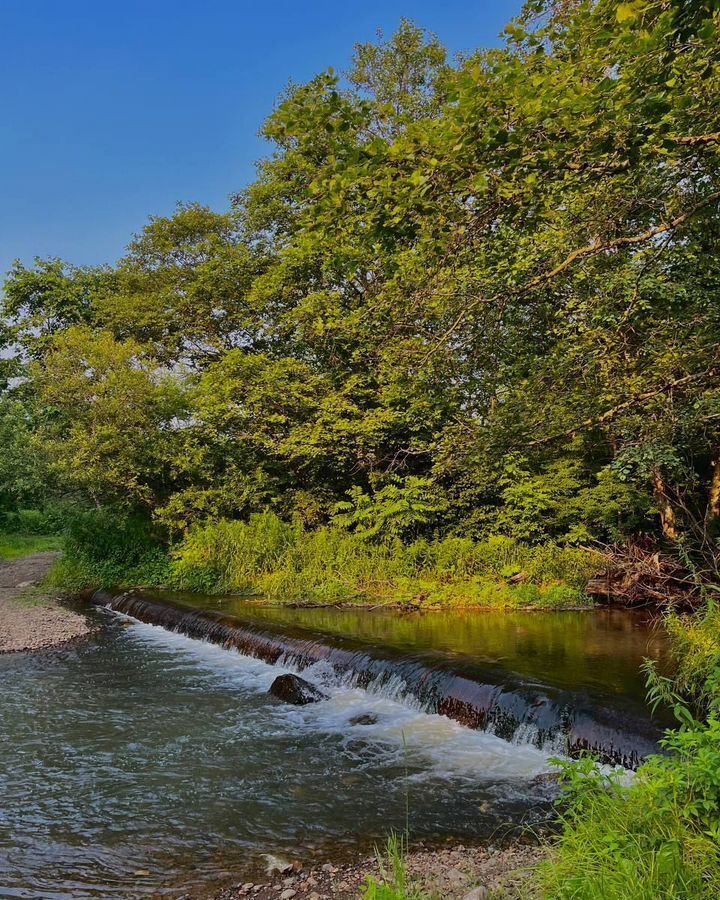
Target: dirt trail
(28, 621)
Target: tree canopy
(491, 283)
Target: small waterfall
(482, 697)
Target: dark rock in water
(295, 690)
(364, 719)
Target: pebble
(288, 894)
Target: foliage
(397, 510)
(659, 835)
(109, 548)
(287, 563)
(466, 298)
(232, 555)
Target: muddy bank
(452, 873)
(31, 620)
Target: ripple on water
(147, 750)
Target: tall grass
(285, 563)
(393, 883)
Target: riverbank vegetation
(283, 562)
(660, 835)
(464, 299)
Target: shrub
(659, 836)
(286, 563)
(109, 548)
(229, 555)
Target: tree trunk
(668, 519)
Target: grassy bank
(15, 546)
(659, 836)
(284, 563)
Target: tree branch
(713, 372)
(580, 253)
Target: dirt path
(29, 621)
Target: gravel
(451, 873)
(28, 620)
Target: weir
(478, 695)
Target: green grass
(285, 564)
(393, 883)
(15, 546)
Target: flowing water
(145, 762)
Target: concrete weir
(480, 696)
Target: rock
(295, 690)
(288, 894)
(247, 887)
(329, 867)
(478, 893)
(455, 876)
(364, 719)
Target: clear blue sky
(113, 110)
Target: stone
(295, 690)
(288, 894)
(364, 719)
(478, 893)
(455, 876)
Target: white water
(403, 730)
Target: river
(143, 762)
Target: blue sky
(112, 111)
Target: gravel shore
(452, 873)
(29, 621)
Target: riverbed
(147, 763)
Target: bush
(231, 556)
(109, 548)
(658, 837)
(286, 563)
(50, 519)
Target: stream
(150, 761)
